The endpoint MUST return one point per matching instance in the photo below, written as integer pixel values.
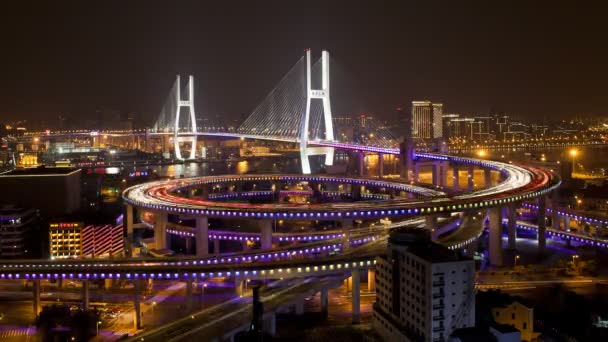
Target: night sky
(73, 58)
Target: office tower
(424, 291)
(427, 120)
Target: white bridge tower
(323, 95)
(188, 103)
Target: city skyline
(524, 61)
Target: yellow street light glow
(573, 152)
(481, 153)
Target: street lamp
(573, 154)
(97, 326)
(515, 261)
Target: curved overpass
(520, 183)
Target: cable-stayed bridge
(297, 110)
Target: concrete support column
(495, 237)
(85, 295)
(406, 159)
(270, 324)
(555, 210)
(471, 178)
(361, 163)
(487, 177)
(266, 233)
(324, 301)
(443, 173)
(416, 173)
(137, 321)
(371, 280)
(431, 226)
(36, 296)
(202, 237)
(542, 224)
(436, 173)
(239, 286)
(356, 192)
(347, 225)
(566, 223)
(511, 226)
(356, 296)
(300, 307)
(189, 291)
(216, 247)
(205, 192)
(456, 177)
(160, 230)
(129, 221)
(380, 165)
(245, 247)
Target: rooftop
(418, 242)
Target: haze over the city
(72, 58)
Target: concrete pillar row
(85, 295)
(456, 177)
(160, 230)
(266, 233)
(189, 291)
(202, 236)
(416, 173)
(512, 227)
(299, 306)
(216, 247)
(356, 296)
(137, 319)
(240, 286)
(347, 224)
(495, 237)
(270, 324)
(361, 163)
(487, 177)
(542, 224)
(371, 280)
(471, 178)
(36, 296)
(324, 301)
(436, 173)
(129, 212)
(443, 173)
(555, 210)
(380, 165)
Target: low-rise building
(75, 240)
(518, 316)
(424, 291)
(18, 228)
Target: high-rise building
(427, 120)
(424, 291)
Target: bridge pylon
(188, 103)
(323, 95)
